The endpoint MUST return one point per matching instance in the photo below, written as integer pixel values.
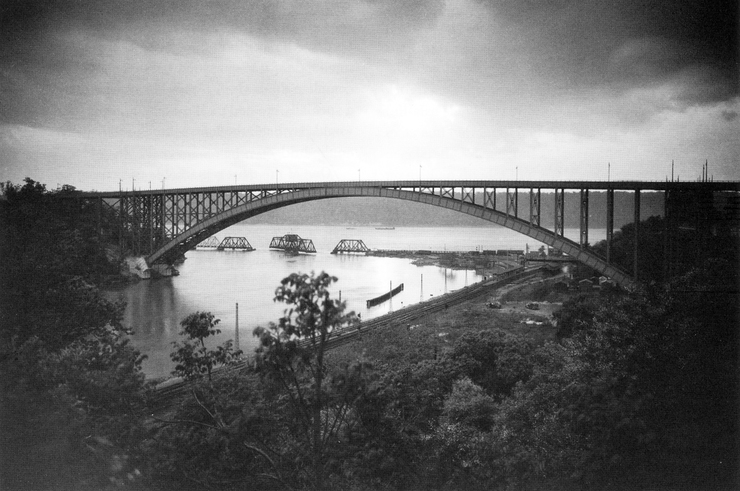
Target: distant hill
(399, 213)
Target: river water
(216, 281)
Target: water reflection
(215, 281)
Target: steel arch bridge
(161, 225)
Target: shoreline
(172, 386)
(485, 263)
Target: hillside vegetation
(602, 390)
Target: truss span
(292, 243)
(235, 244)
(214, 224)
(350, 245)
(209, 243)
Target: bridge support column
(559, 223)
(150, 216)
(668, 248)
(489, 198)
(162, 222)
(584, 218)
(120, 228)
(635, 258)
(512, 202)
(609, 223)
(534, 207)
(187, 212)
(98, 218)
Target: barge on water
(387, 296)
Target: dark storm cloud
(729, 115)
(35, 65)
(544, 49)
(344, 20)
(634, 43)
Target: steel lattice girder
(174, 221)
(235, 243)
(293, 243)
(350, 245)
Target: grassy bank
(432, 334)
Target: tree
(50, 260)
(292, 355)
(495, 359)
(468, 404)
(630, 396)
(216, 437)
(219, 437)
(193, 359)
(72, 390)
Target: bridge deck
(163, 224)
(420, 184)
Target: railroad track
(406, 315)
(414, 312)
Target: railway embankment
(171, 388)
(488, 262)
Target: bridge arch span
(199, 232)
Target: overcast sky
(200, 93)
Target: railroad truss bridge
(161, 225)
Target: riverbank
(486, 264)
(405, 318)
(430, 332)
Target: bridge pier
(559, 223)
(137, 266)
(534, 207)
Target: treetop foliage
(638, 391)
(64, 358)
(193, 359)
